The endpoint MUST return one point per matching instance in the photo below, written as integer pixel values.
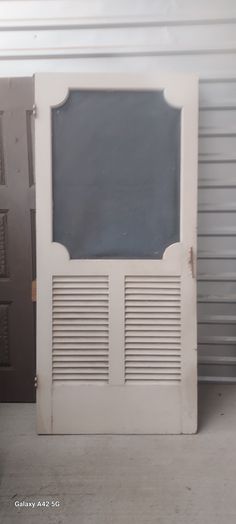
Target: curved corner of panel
(60, 252)
(173, 95)
(62, 98)
(172, 251)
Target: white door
(116, 179)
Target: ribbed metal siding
(189, 36)
(217, 229)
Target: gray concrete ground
(122, 479)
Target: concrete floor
(122, 479)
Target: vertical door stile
(116, 328)
(189, 151)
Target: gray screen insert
(116, 174)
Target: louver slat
(80, 329)
(152, 329)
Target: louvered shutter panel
(80, 329)
(116, 250)
(152, 329)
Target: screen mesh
(116, 174)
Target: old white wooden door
(116, 179)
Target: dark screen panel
(116, 174)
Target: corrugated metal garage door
(160, 35)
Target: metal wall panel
(160, 35)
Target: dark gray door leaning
(17, 241)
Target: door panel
(116, 323)
(17, 344)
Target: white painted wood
(115, 400)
